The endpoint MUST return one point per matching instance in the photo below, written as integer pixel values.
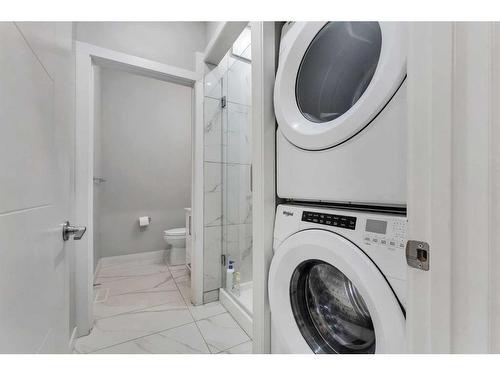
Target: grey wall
(146, 160)
(172, 43)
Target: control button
(383, 241)
(348, 222)
(392, 243)
(375, 240)
(367, 239)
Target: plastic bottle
(229, 276)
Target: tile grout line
(232, 347)
(203, 337)
(142, 308)
(140, 337)
(211, 316)
(153, 333)
(197, 326)
(186, 304)
(139, 310)
(132, 292)
(195, 323)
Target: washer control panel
(386, 233)
(348, 222)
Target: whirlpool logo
(287, 213)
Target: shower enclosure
(228, 195)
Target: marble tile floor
(143, 307)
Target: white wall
(211, 27)
(172, 43)
(146, 161)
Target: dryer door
(327, 296)
(334, 78)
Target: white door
(36, 153)
(454, 185)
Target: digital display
(376, 226)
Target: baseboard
(211, 296)
(238, 313)
(153, 256)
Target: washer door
(334, 78)
(327, 296)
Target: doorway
(125, 164)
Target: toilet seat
(175, 232)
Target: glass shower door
(236, 172)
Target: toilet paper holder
(144, 221)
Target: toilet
(176, 242)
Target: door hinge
(418, 254)
(223, 102)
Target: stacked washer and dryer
(337, 281)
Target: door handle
(76, 231)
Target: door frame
(265, 40)
(87, 56)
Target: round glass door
(330, 312)
(336, 69)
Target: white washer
(340, 103)
(337, 281)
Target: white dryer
(337, 281)
(340, 103)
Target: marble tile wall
(213, 166)
(213, 130)
(238, 242)
(237, 156)
(239, 81)
(237, 138)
